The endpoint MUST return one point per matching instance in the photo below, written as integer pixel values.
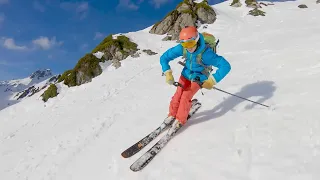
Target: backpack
(210, 41)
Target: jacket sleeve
(219, 62)
(170, 55)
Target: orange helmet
(189, 36)
(188, 33)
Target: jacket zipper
(190, 66)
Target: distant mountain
(41, 74)
(14, 91)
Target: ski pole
(215, 47)
(239, 96)
(175, 83)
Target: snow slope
(275, 60)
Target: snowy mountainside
(275, 60)
(13, 91)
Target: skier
(193, 76)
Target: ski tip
(124, 155)
(134, 169)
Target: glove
(169, 77)
(209, 83)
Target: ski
(145, 159)
(148, 138)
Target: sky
(55, 34)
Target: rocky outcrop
(303, 6)
(54, 79)
(116, 49)
(51, 92)
(249, 3)
(252, 4)
(167, 38)
(236, 3)
(136, 55)
(116, 63)
(119, 48)
(24, 93)
(205, 13)
(166, 24)
(88, 67)
(255, 5)
(149, 52)
(256, 12)
(187, 13)
(262, 3)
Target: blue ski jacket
(192, 69)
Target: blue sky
(55, 34)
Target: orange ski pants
(181, 101)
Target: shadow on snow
(263, 89)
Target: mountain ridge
(13, 91)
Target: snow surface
(81, 133)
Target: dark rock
(149, 52)
(236, 3)
(256, 12)
(303, 6)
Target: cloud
(46, 43)
(10, 44)
(80, 8)
(158, 3)
(42, 42)
(38, 6)
(98, 35)
(127, 4)
(4, 2)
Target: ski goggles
(189, 43)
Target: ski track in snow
(81, 133)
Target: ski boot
(169, 120)
(176, 125)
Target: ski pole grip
(177, 84)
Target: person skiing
(192, 77)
